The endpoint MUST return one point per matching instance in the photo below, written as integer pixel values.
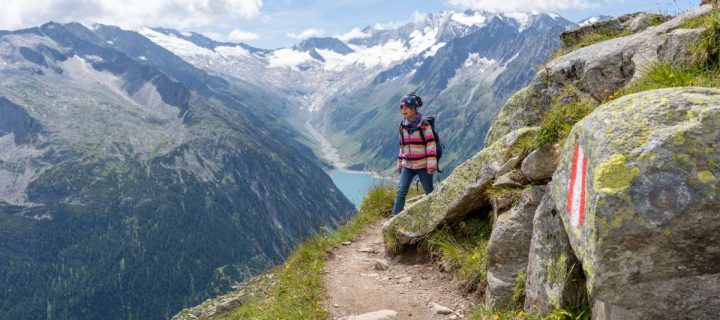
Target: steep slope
(132, 186)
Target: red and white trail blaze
(576, 188)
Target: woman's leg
(426, 179)
(406, 177)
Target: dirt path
(354, 286)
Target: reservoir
(355, 184)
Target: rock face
(554, 276)
(639, 191)
(461, 193)
(596, 71)
(507, 250)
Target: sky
(272, 24)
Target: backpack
(438, 145)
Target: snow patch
(474, 59)
(143, 58)
(186, 34)
(177, 45)
(434, 49)
(232, 51)
(523, 19)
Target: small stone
(381, 265)
(407, 279)
(336, 306)
(377, 315)
(439, 309)
(368, 250)
(453, 317)
(508, 180)
(346, 243)
(371, 275)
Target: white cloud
(524, 5)
(355, 33)
(239, 35)
(180, 14)
(309, 33)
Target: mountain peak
(327, 43)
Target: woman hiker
(417, 150)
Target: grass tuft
(567, 109)
(298, 291)
(518, 296)
(462, 246)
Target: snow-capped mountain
(469, 61)
(591, 20)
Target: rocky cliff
(602, 187)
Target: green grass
(485, 312)
(562, 116)
(518, 296)
(298, 291)
(463, 246)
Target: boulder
(554, 276)
(597, 71)
(540, 164)
(525, 106)
(639, 191)
(508, 247)
(463, 192)
(629, 23)
(675, 48)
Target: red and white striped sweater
(414, 154)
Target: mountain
(133, 184)
(464, 65)
(592, 20)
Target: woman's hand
(431, 170)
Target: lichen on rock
(650, 207)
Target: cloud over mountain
(524, 5)
(129, 13)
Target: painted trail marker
(576, 188)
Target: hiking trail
(412, 286)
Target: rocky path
(363, 283)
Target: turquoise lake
(354, 184)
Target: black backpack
(438, 145)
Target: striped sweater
(414, 154)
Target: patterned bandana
(412, 125)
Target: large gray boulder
(639, 194)
(554, 276)
(632, 22)
(597, 71)
(463, 192)
(508, 247)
